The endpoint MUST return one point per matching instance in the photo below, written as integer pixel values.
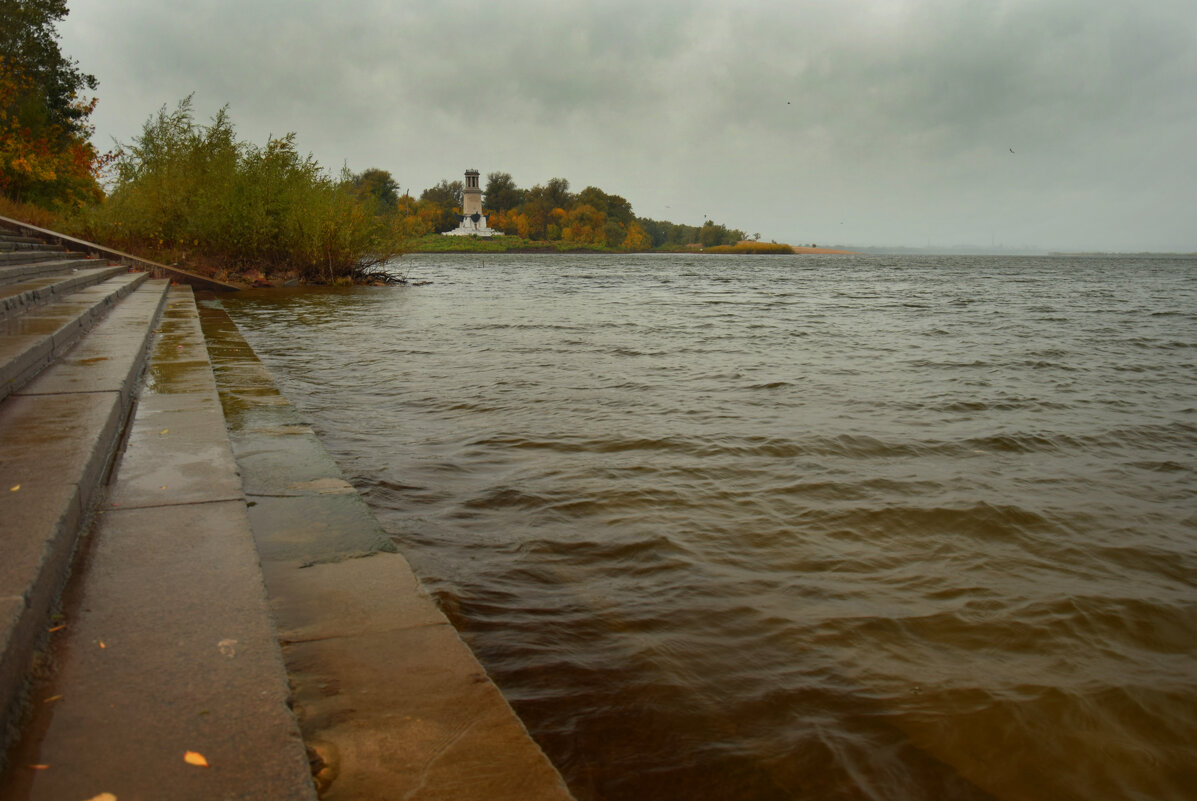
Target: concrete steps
(59, 430)
(168, 645)
(123, 523)
(62, 410)
(21, 296)
(31, 341)
(59, 266)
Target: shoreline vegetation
(194, 196)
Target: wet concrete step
(58, 435)
(33, 340)
(20, 297)
(168, 644)
(17, 273)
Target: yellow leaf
(164, 431)
(14, 489)
(195, 758)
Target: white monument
(473, 221)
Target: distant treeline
(547, 212)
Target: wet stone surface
(391, 702)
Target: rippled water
(791, 528)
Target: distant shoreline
(468, 245)
(825, 251)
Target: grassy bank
(752, 248)
(436, 243)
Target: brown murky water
(791, 528)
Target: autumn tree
(46, 156)
(637, 238)
(29, 43)
(441, 205)
(613, 206)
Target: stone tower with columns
(473, 222)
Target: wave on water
(851, 528)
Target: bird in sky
(1011, 150)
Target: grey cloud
(893, 116)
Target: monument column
(471, 196)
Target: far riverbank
(436, 243)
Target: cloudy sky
(867, 122)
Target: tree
(556, 192)
(379, 186)
(447, 194)
(502, 193)
(584, 224)
(29, 43)
(637, 238)
(712, 234)
(614, 206)
(46, 157)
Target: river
(856, 527)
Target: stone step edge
(64, 285)
(40, 353)
(17, 273)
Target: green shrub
(197, 193)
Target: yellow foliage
(41, 162)
(637, 238)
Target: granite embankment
(193, 602)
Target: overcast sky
(867, 122)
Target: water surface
(791, 527)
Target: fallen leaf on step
(52, 699)
(164, 431)
(39, 767)
(14, 489)
(102, 645)
(195, 758)
(59, 627)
